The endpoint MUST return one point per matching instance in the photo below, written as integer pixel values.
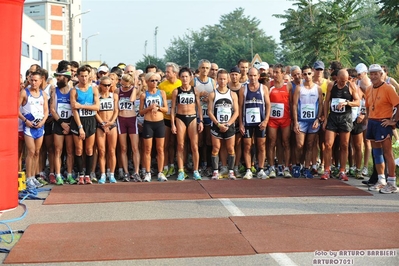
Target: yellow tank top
(168, 88)
(323, 87)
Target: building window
(37, 54)
(25, 49)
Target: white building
(62, 19)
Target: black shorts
(251, 130)
(57, 129)
(89, 126)
(339, 123)
(167, 123)
(215, 131)
(99, 126)
(358, 128)
(48, 128)
(153, 129)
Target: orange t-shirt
(381, 101)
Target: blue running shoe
(180, 176)
(307, 173)
(197, 176)
(296, 171)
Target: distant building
(62, 19)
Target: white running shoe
(248, 174)
(262, 174)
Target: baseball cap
(360, 68)
(318, 64)
(103, 69)
(375, 68)
(263, 65)
(63, 73)
(235, 69)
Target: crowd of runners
(102, 125)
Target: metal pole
(87, 42)
(71, 28)
(155, 42)
(145, 48)
(252, 49)
(189, 55)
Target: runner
(223, 111)
(186, 107)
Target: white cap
(360, 68)
(375, 68)
(103, 69)
(263, 65)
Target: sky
(125, 25)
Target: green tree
(149, 59)
(236, 36)
(389, 13)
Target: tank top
(204, 86)
(63, 104)
(185, 97)
(33, 108)
(279, 102)
(124, 100)
(308, 103)
(339, 96)
(168, 88)
(254, 106)
(223, 106)
(139, 118)
(107, 104)
(153, 98)
(85, 98)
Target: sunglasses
(154, 80)
(319, 69)
(106, 85)
(307, 74)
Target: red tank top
(280, 102)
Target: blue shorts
(35, 133)
(376, 132)
(307, 127)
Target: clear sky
(124, 26)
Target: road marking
(282, 259)
(231, 207)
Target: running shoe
(162, 177)
(51, 178)
(215, 175)
(389, 188)
(342, 176)
(87, 180)
(280, 171)
(358, 174)
(171, 170)
(307, 173)
(196, 175)
(352, 171)
(59, 181)
(102, 180)
(237, 172)
(70, 180)
(93, 178)
(224, 172)
(165, 172)
(30, 184)
(181, 176)
(296, 171)
(126, 177)
(242, 169)
(335, 172)
(314, 171)
(320, 170)
(262, 174)
(81, 180)
(232, 176)
(381, 183)
(147, 177)
(37, 183)
(253, 169)
(112, 178)
(272, 173)
(42, 181)
(325, 175)
(248, 174)
(136, 177)
(286, 173)
(365, 171)
(121, 175)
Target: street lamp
(155, 41)
(87, 42)
(71, 29)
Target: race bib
(355, 113)
(253, 115)
(205, 110)
(125, 104)
(64, 110)
(151, 100)
(277, 110)
(308, 111)
(86, 112)
(106, 104)
(334, 105)
(169, 102)
(223, 114)
(186, 98)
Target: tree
(149, 59)
(236, 36)
(389, 13)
